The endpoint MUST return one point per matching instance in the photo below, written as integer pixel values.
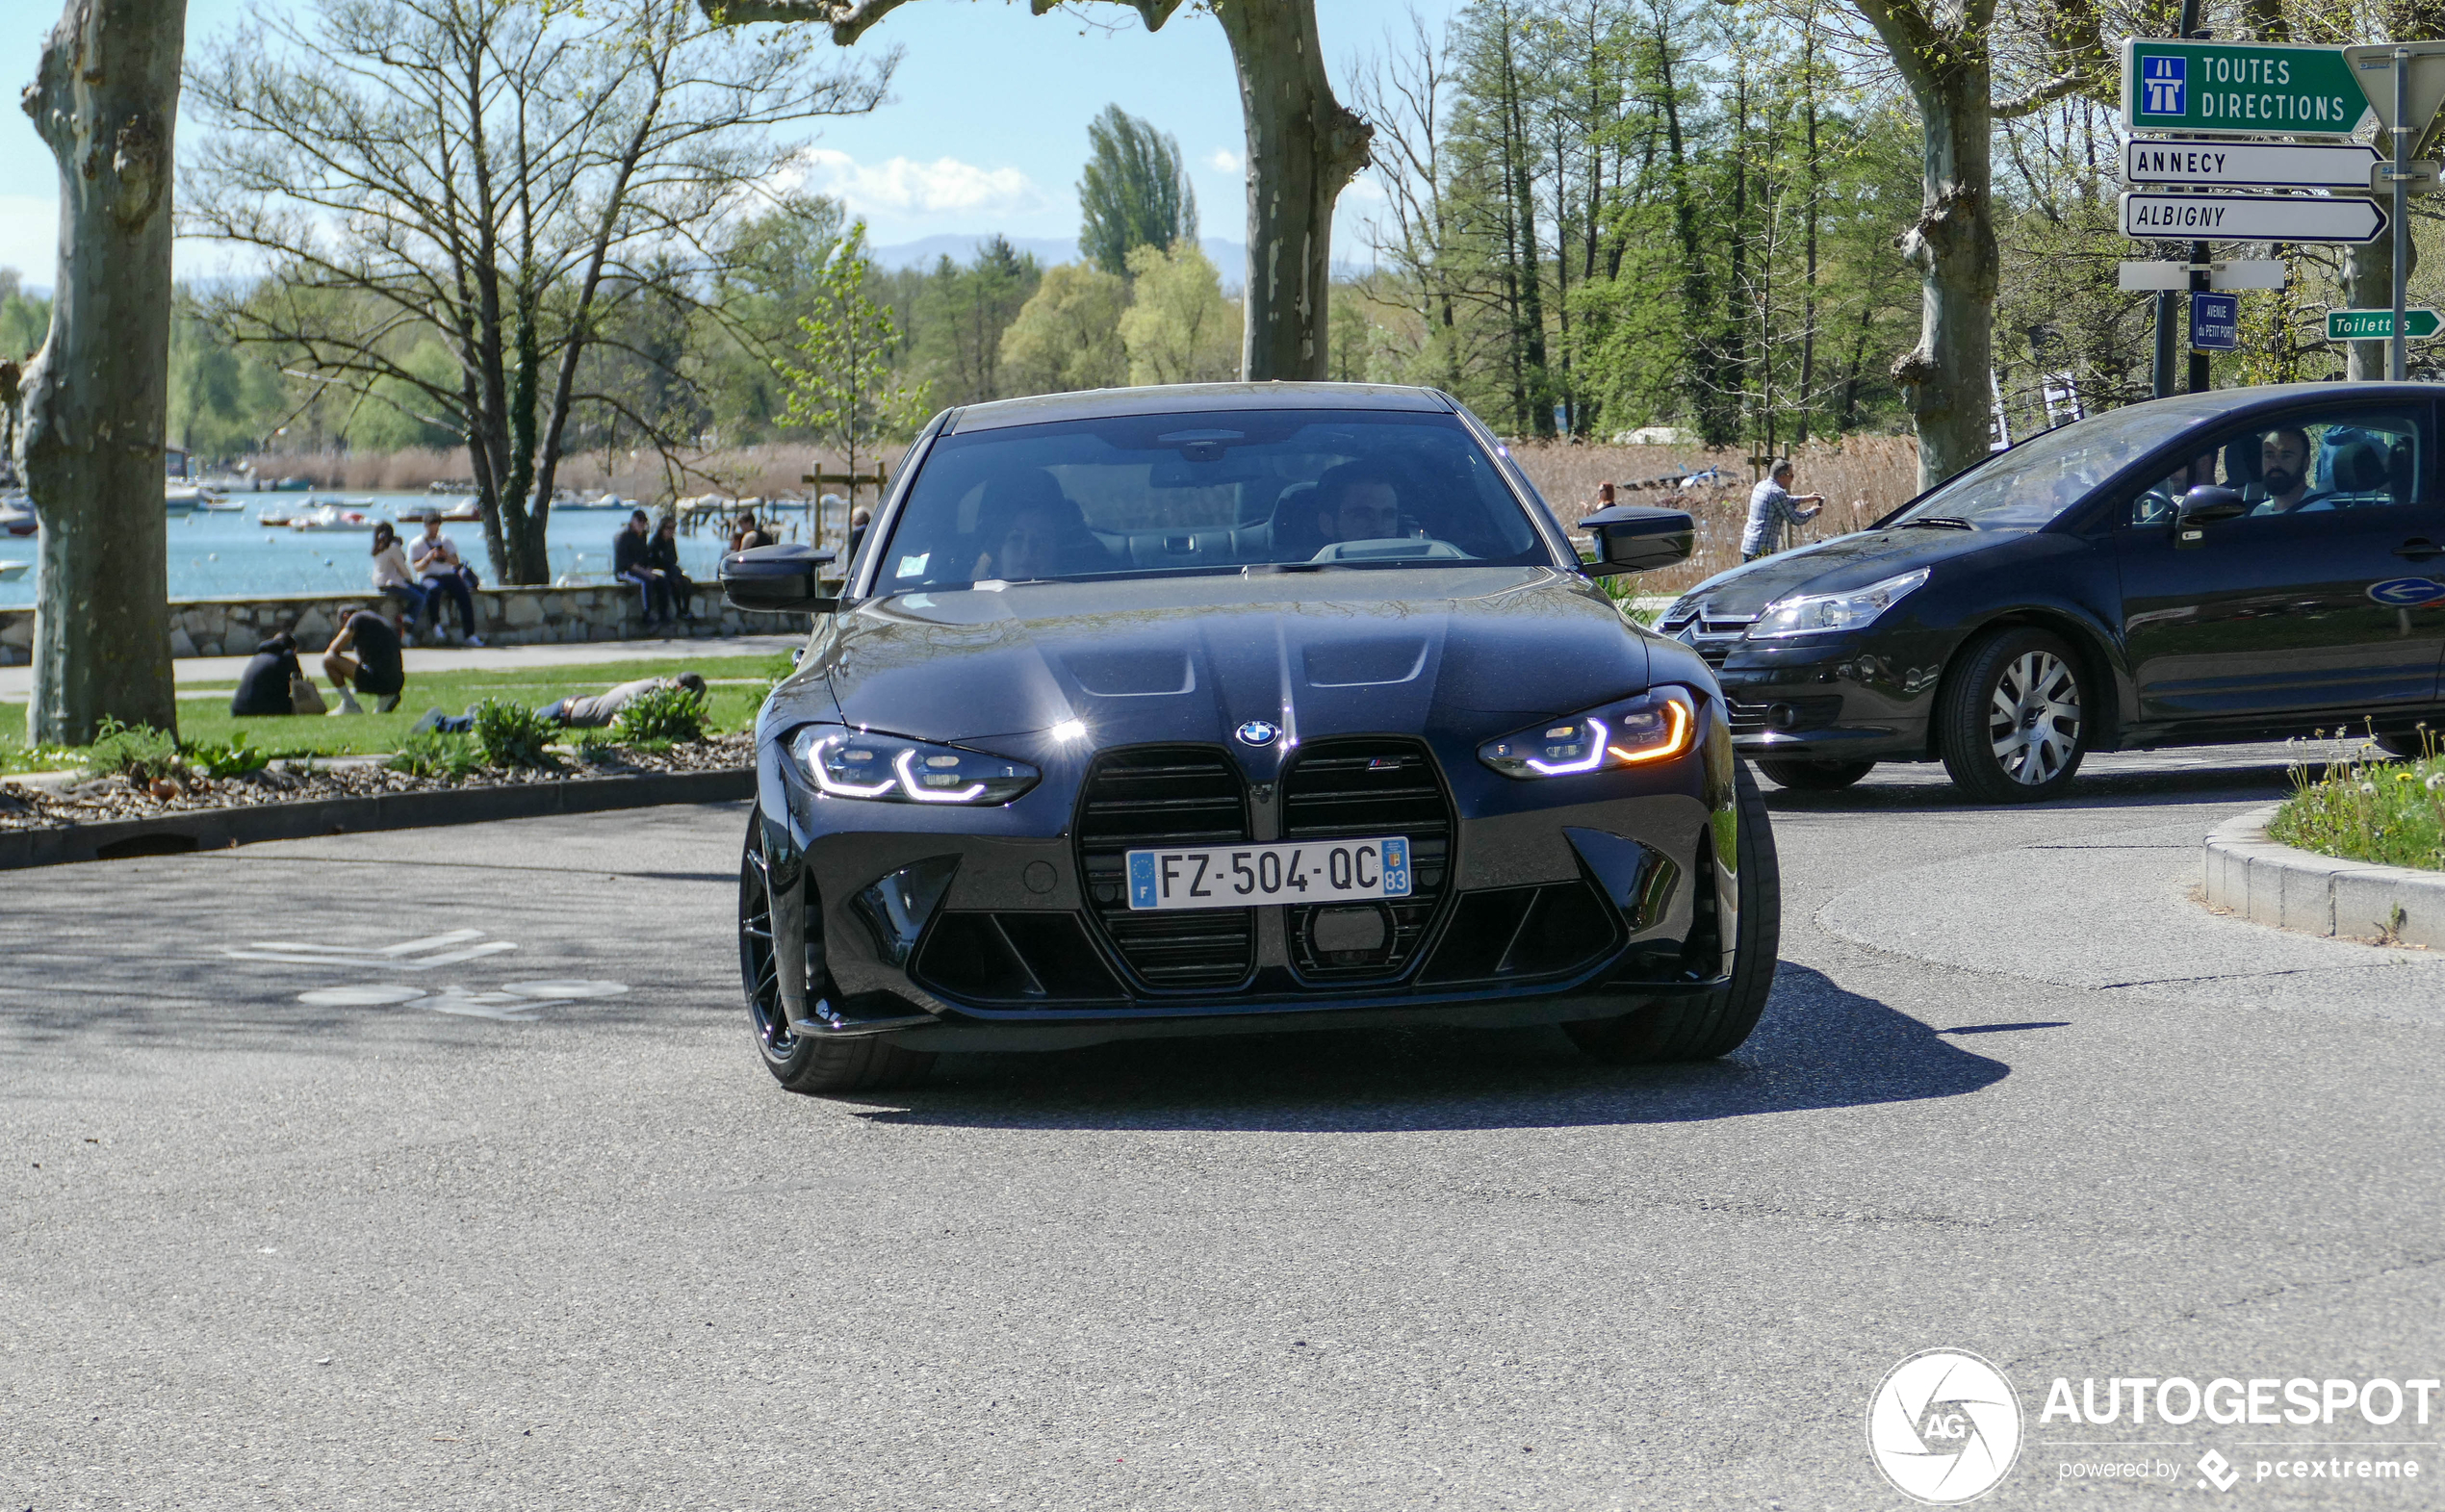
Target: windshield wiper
(1940, 522)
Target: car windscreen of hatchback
(2025, 488)
(1136, 496)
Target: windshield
(1139, 494)
(2027, 486)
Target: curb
(2271, 883)
(216, 829)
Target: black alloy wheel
(1802, 774)
(2012, 721)
(1711, 1024)
(803, 1064)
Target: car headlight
(1811, 613)
(1632, 733)
(889, 769)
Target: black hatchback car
(1182, 710)
(2238, 565)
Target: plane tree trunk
(105, 100)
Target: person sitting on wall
(662, 554)
(263, 688)
(440, 570)
(366, 652)
(630, 563)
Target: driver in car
(1037, 528)
(2283, 475)
(1361, 503)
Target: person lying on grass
(577, 713)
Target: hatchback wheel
(2012, 721)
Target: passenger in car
(1038, 533)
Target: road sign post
(2420, 321)
(2405, 82)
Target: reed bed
(1861, 476)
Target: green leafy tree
(1133, 193)
(845, 389)
(1068, 334)
(960, 313)
(1178, 327)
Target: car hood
(1845, 562)
(1192, 658)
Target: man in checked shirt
(1772, 508)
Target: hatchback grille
(1361, 787)
(1713, 639)
(1165, 795)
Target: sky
(986, 128)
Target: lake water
(227, 556)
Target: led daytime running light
(909, 786)
(1675, 743)
(1587, 763)
(824, 779)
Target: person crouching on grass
(366, 652)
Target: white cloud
(902, 186)
(1222, 160)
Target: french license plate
(1235, 877)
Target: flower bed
(139, 796)
(2365, 806)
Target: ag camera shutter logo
(1945, 1426)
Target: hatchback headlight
(1632, 733)
(1815, 612)
(889, 769)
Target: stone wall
(505, 617)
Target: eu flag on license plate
(1142, 894)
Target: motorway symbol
(2260, 89)
(2215, 321)
(2420, 321)
(2251, 218)
(413, 955)
(2247, 164)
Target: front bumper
(1569, 898)
(1846, 697)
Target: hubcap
(2035, 718)
(759, 964)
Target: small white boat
(464, 512)
(16, 516)
(182, 499)
(11, 571)
(214, 503)
(331, 516)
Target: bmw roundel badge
(1258, 733)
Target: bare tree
(503, 176)
(1303, 148)
(1946, 53)
(105, 100)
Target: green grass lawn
(733, 705)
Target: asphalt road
(461, 1226)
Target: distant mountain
(1230, 258)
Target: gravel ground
(28, 806)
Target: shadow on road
(2098, 786)
(1819, 1046)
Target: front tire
(1803, 776)
(803, 1064)
(1715, 1023)
(2012, 721)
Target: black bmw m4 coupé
(1228, 707)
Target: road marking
(404, 955)
(514, 1003)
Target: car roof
(2224, 402)
(1179, 398)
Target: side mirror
(1632, 538)
(2204, 506)
(776, 579)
